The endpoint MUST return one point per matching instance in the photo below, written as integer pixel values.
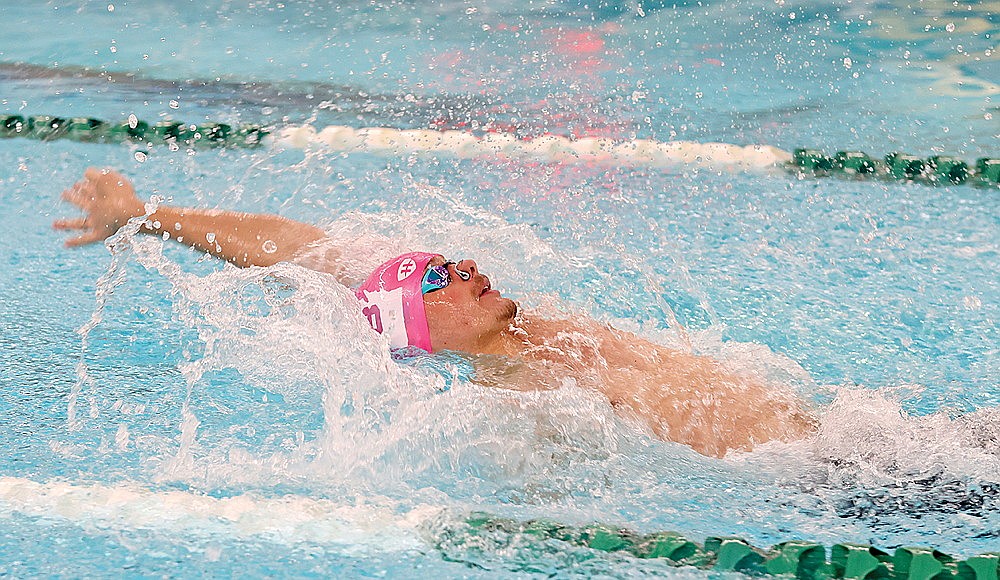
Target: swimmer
(427, 301)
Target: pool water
(166, 415)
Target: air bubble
(270, 247)
(174, 104)
(210, 236)
(950, 27)
(140, 156)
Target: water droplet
(270, 247)
(972, 303)
(210, 236)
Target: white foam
(546, 149)
(287, 520)
(869, 436)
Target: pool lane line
(545, 149)
(801, 559)
(803, 163)
(936, 170)
(132, 130)
(284, 519)
(461, 538)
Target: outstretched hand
(108, 200)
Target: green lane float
(795, 558)
(87, 130)
(936, 170)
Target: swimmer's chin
(508, 309)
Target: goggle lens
(436, 278)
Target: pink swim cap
(393, 300)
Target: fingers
(86, 188)
(95, 173)
(80, 192)
(88, 237)
(105, 178)
(83, 194)
(84, 239)
(70, 224)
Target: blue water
(218, 421)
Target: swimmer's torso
(683, 397)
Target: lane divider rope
(801, 559)
(546, 149)
(936, 170)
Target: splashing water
(205, 414)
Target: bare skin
(109, 201)
(682, 397)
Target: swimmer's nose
(466, 269)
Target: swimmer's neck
(524, 335)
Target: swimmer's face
(468, 313)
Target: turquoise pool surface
(166, 415)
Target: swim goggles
(438, 277)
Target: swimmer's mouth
(486, 288)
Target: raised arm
(245, 239)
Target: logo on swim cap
(406, 267)
(393, 300)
